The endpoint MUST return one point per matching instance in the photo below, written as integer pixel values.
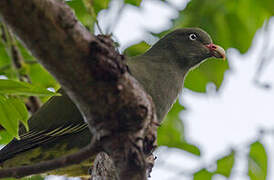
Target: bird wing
(34, 138)
(57, 118)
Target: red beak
(217, 51)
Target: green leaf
(41, 77)
(203, 174)
(171, 132)
(9, 117)
(257, 161)
(4, 58)
(225, 164)
(5, 62)
(82, 13)
(133, 2)
(5, 137)
(12, 110)
(210, 71)
(11, 87)
(21, 109)
(137, 49)
(25, 52)
(96, 5)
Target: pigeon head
(189, 46)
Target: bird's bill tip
(217, 51)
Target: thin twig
(76, 158)
(265, 58)
(98, 26)
(112, 26)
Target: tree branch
(118, 111)
(103, 168)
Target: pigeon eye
(192, 37)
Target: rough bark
(119, 113)
(103, 168)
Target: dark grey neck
(161, 76)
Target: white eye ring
(192, 37)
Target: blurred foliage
(257, 161)
(210, 71)
(137, 49)
(170, 132)
(12, 108)
(5, 137)
(202, 174)
(9, 116)
(14, 92)
(225, 164)
(82, 13)
(231, 24)
(96, 5)
(224, 167)
(12, 87)
(40, 77)
(133, 2)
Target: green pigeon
(58, 128)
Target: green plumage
(58, 128)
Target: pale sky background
(216, 122)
